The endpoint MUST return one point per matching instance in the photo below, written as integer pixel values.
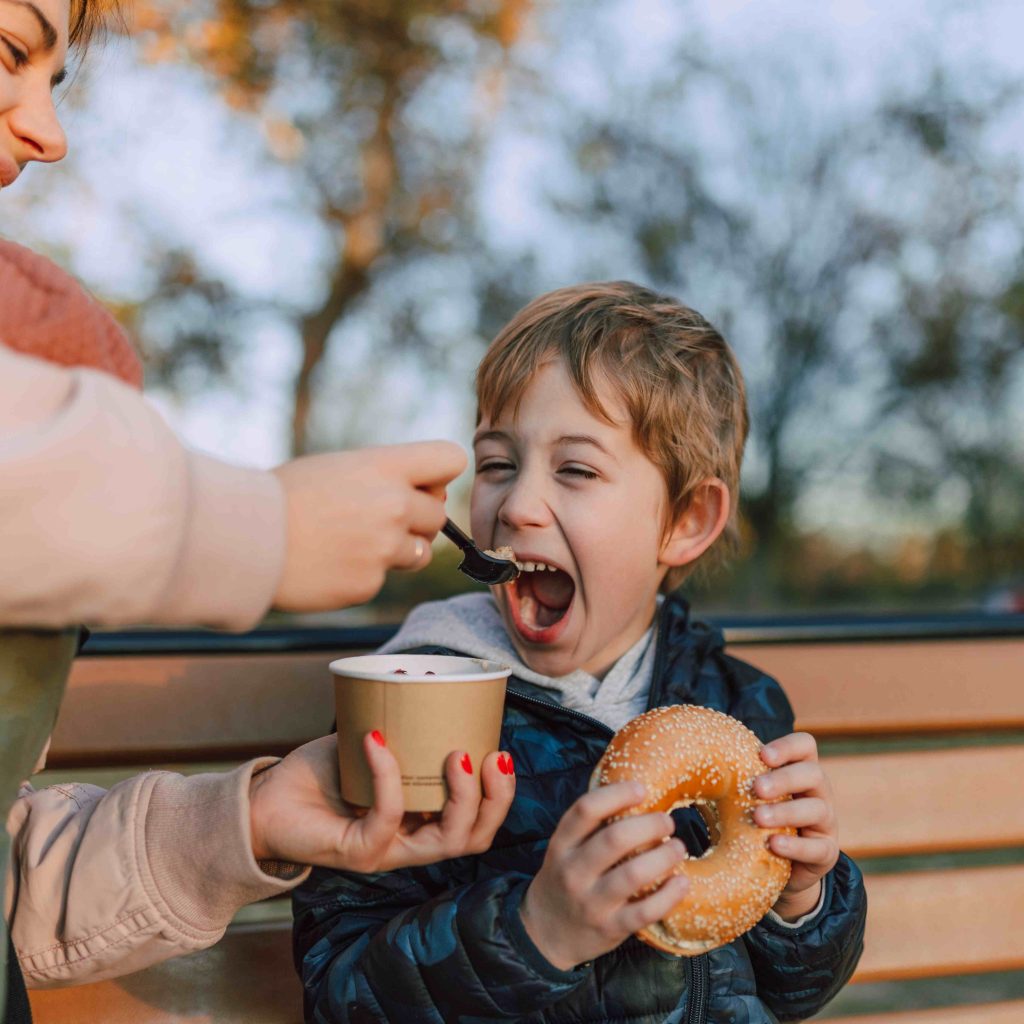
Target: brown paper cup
(422, 717)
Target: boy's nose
(37, 128)
(524, 506)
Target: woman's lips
(9, 171)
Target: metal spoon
(476, 565)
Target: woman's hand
(814, 850)
(298, 815)
(354, 515)
(580, 904)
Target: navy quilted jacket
(444, 944)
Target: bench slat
(899, 687)
(929, 801)
(989, 1013)
(158, 710)
(247, 978)
(936, 923)
(142, 710)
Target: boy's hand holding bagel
(612, 868)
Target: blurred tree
(380, 108)
(954, 344)
(843, 250)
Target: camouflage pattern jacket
(444, 944)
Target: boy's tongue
(544, 596)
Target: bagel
(687, 755)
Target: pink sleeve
(108, 520)
(104, 883)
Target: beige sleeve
(103, 883)
(109, 520)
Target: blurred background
(314, 215)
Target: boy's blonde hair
(674, 372)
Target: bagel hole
(696, 826)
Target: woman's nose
(36, 126)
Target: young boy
(611, 427)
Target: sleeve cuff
(232, 552)
(197, 846)
(531, 955)
(803, 919)
(778, 924)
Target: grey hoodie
(471, 624)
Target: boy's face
(564, 488)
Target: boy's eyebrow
(500, 435)
(49, 32)
(585, 439)
(490, 435)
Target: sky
(152, 136)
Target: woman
(211, 544)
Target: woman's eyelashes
(19, 57)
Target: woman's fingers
(497, 774)
(425, 464)
(381, 824)
(412, 553)
(426, 514)
(468, 821)
(460, 809)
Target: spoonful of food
(490, 567)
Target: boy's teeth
(535, 567)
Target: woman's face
(33, 48)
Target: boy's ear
(700, 525)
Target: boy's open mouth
(539, 602)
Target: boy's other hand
(814, 850)
(580, 904)
(298, 815)
(352, 516)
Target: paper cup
(422, 716)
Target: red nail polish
(377, 738)
(467, 764)
(502, 764)
(511, 766)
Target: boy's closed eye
(494, 466)
(579, 471)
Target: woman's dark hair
(88, 16)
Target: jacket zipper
(697, 1011)
(558, 709)
(699, 973)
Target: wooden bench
(923, 739)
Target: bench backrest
(920, 738)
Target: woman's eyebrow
(49, 32)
